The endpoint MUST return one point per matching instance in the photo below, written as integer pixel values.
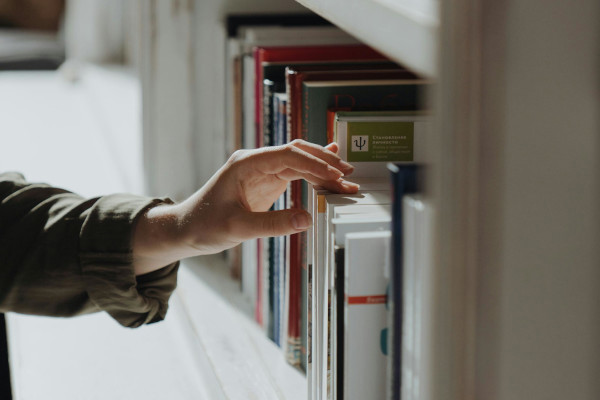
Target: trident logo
(360, 143)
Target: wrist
(157, 239)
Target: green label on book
(380, 141)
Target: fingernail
(350, 185)
(346, 165)
(335, 170)
(300, 221)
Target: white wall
(183, 78)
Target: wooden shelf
(403, 32)
(245, 364)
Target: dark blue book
(404, 180)
(279, 114)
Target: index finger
(325, 154)
(277, 159)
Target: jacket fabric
(64, 255)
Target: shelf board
(397, 28)
(244, 362)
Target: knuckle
(289, 148)
(237, 156)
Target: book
(249, 270)
(405, 181)
(365, 315)
(368, 140)
(315, 261)
(358, 71)
(295, 54)
(375, 69)
(418, 295)
(248, 31)
(278, 54)
(325, 279)
(317, 98)
(280, 260)
(342, 226)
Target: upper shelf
(404, 30)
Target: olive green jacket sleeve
(63, 255)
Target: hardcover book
(369, 140)
(342, 226)
(295, 54)
(418, 297)
(404, 182)
(365, 315)
(325, 265)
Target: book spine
(258, 95)
(404, 181)
(365, 315)
(338, 348)
(320, 329)
(295, 270)
(292, 108)
(267, 114)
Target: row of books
(321, 295)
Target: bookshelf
(513, 173)
(413, 25)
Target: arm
(232, 206)
(64, 255)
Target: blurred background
(103, 96)
(70, 115)
(70, 93)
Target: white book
(350, 223)
(367, 184)
(326, 270)
(368, 222)
(365, 316)
(319, 294)
(417, 298)
(360, 211)
(249, 270)
(333, 201)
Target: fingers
(276, 160)
(298, 160)
(304, 158)
(273, 223)
(328, 154)
(333, 147)
(339, 185)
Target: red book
(296, 76)
(307, 54)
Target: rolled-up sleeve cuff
(106, 261)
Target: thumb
(274, 223)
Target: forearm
(63, 255)
(158, 239)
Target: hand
(233, 205)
